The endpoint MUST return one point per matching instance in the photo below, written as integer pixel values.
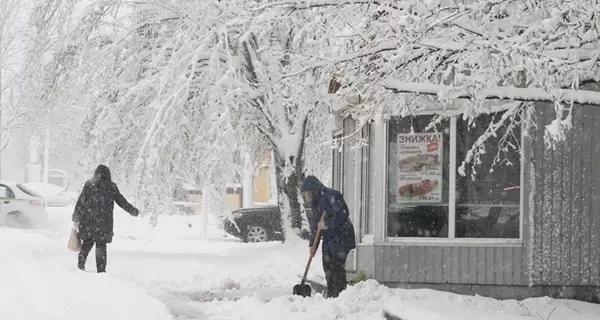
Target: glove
(135, 212)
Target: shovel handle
(315, 246)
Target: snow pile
(369, 299)
(171, 272)
(39, 280)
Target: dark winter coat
(94, 208)
(339, 236)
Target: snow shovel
(304, 289)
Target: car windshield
(28, 191)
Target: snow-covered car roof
(38, 187)
(19, 192)
(53, 194)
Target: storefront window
(487, 196)
(487, 202)
(418, 162)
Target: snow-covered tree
(175, 89)
(281, 105)
(47, 86)
(11, 115)
(406, 57)
(182, 89)
(151, 78)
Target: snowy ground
(171, 272)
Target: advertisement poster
(419, 171)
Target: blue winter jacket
(339, 236)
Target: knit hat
(311, 183)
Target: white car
(20, 207)
(54, 195)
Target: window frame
(337, 159)
(362, 169)
(366, 215)
(451, 239)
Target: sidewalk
(170, 272)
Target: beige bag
(74, 242)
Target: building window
(352, 169)
(487, 198)
(418, 162)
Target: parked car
(488, 221)
(54, 195)
(20, 207)
(255, 224)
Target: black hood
(311, 183)
(102, 173)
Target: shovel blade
(303, 290)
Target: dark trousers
(86, 247)
(334, 266)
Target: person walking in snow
(329, 213)
(93, 216)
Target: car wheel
(256, 233)
(17, 220)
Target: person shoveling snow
(329, 214)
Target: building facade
(528, 225)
